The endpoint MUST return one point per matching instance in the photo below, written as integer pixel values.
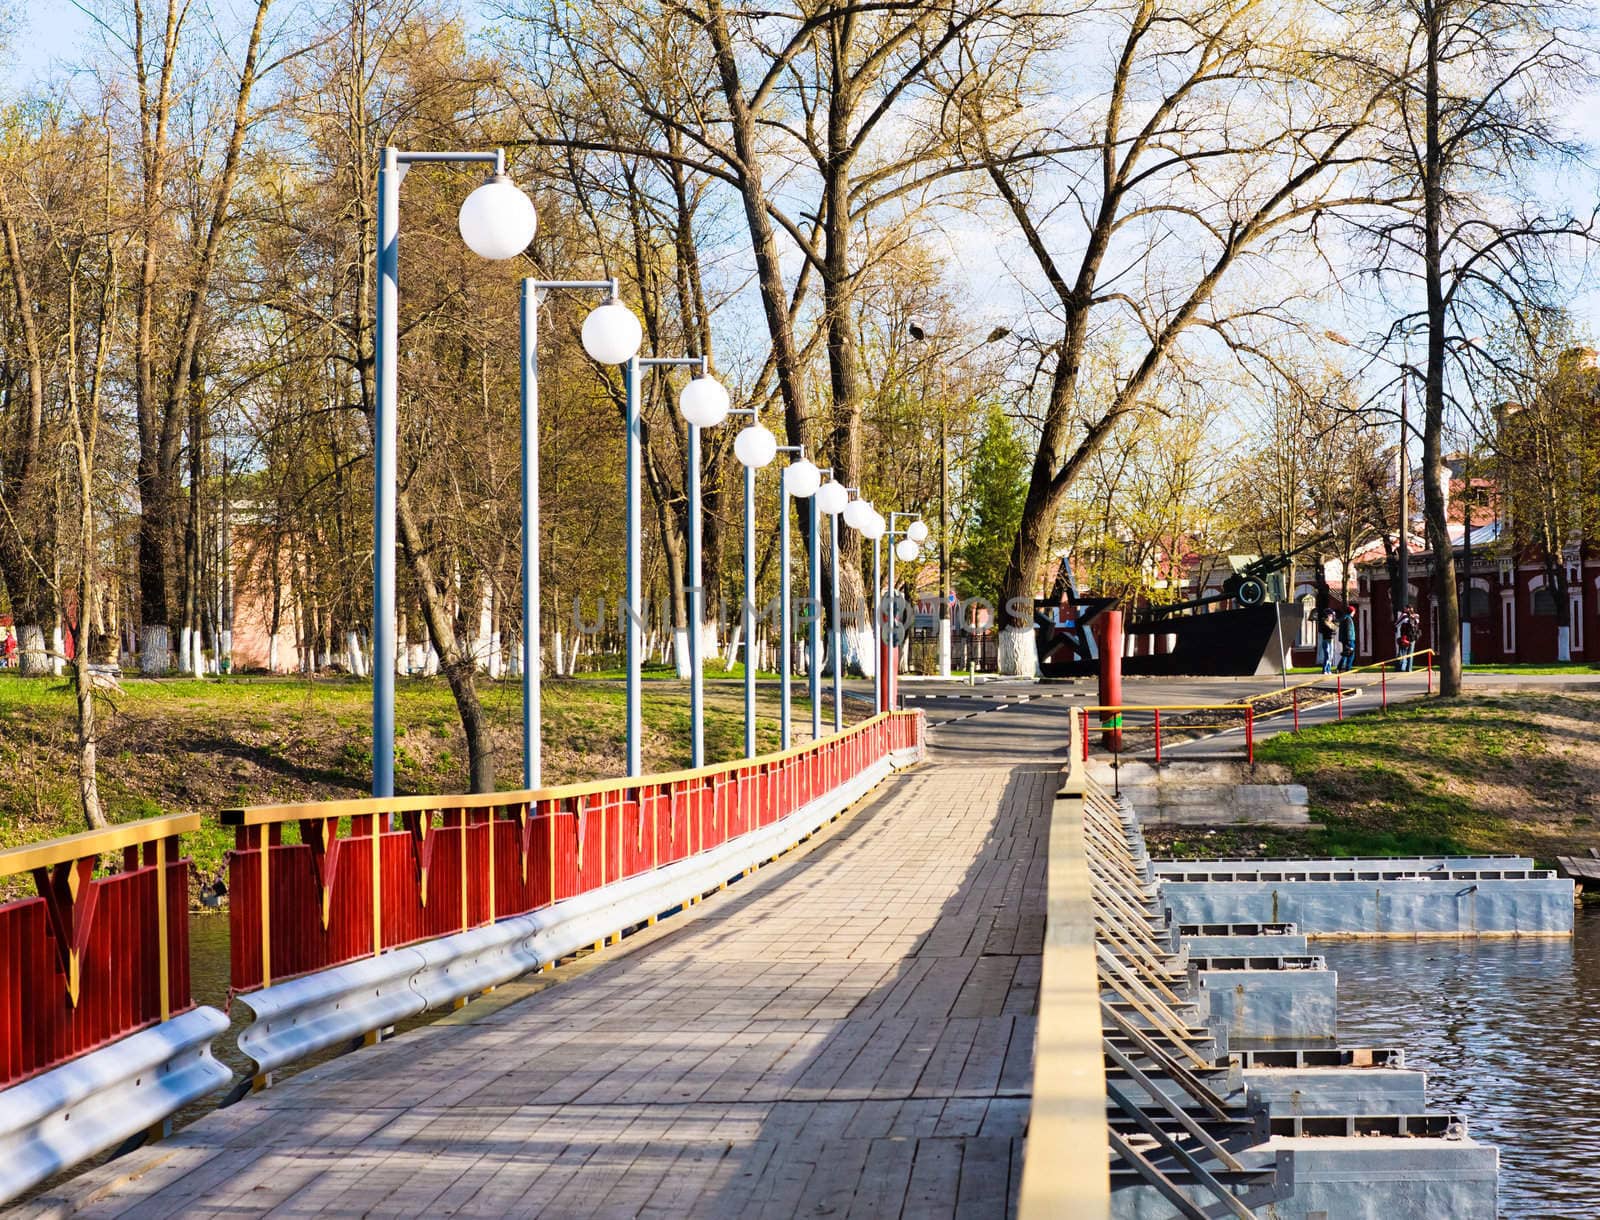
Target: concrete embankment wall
(1441, 904)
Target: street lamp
(497, 221)
(704, 403)
(874, 530)
(801, 478)
(905, 549)
(610, 335)
(833, 499)
(755, 447)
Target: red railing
(92, 959)
(446, 864)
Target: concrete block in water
(1401, 907)
(1357, 1178)
(1384, 1178)
(1243, 946)
(1272, 1004)
(1372, 1090)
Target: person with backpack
(1406, 638)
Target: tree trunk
(1434, 488)
(460, 668)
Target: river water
(1509, 1034)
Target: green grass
(668, 673)
(1515, 667)
(1442, 776)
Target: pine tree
(997, 485)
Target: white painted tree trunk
(1018, 657)
(185, 650)
(733, 648)
(226, 652)
(1563, 644)
(32, 656)
(558, 655)
(680, 651)
(496, 657)
(858, 649)
(572, 661)
(58, 646)
(418, 659)
(358, 664)
(272, 655)
(154, 645)
(198, 660)
(430, 664)
(944, 647)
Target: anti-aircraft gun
(1247, 586)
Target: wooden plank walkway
(847, 1033)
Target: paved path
(848, 1033)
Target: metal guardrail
(81, 1108)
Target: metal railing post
(1338, 694)
(1383, 685)
(1430, 671)
(1158, 736)
(1297, 710)
(1250, 734)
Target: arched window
(1478, 603)
(1544, 602)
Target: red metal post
(1383, 684)
(1250, 733)
(1297, 711)
(1085, 734)
(1158, 735)
(1430, 671)
(1108, 629)
(1338, 692)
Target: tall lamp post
(704, 403)
(907, 549)
(497, 221)
(801, 478)
(832, 499)
(611, 335)
(872, 527)
(755, 447)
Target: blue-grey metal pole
(749, 612)
(814, 591)
(532, 654)
(633, 611)
(785, 628)
(833, 619)
(877, 634)
(891, 625)
(385, 447)
(697, 725)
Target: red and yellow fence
(92, 959)
(448, 864)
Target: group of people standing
(1336, 639)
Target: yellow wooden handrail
(29, 856)
(1066, 1167)
(1319, 679)
(263, 815)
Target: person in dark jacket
(1347, 639)
(1327, 632)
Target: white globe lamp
(906, 551)
(857, 514)
(611, 334)
(755, 447)
(704, 402)
(917, 532)
(832, 497)
(801, 479)
(497, 220)
(875, 527)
